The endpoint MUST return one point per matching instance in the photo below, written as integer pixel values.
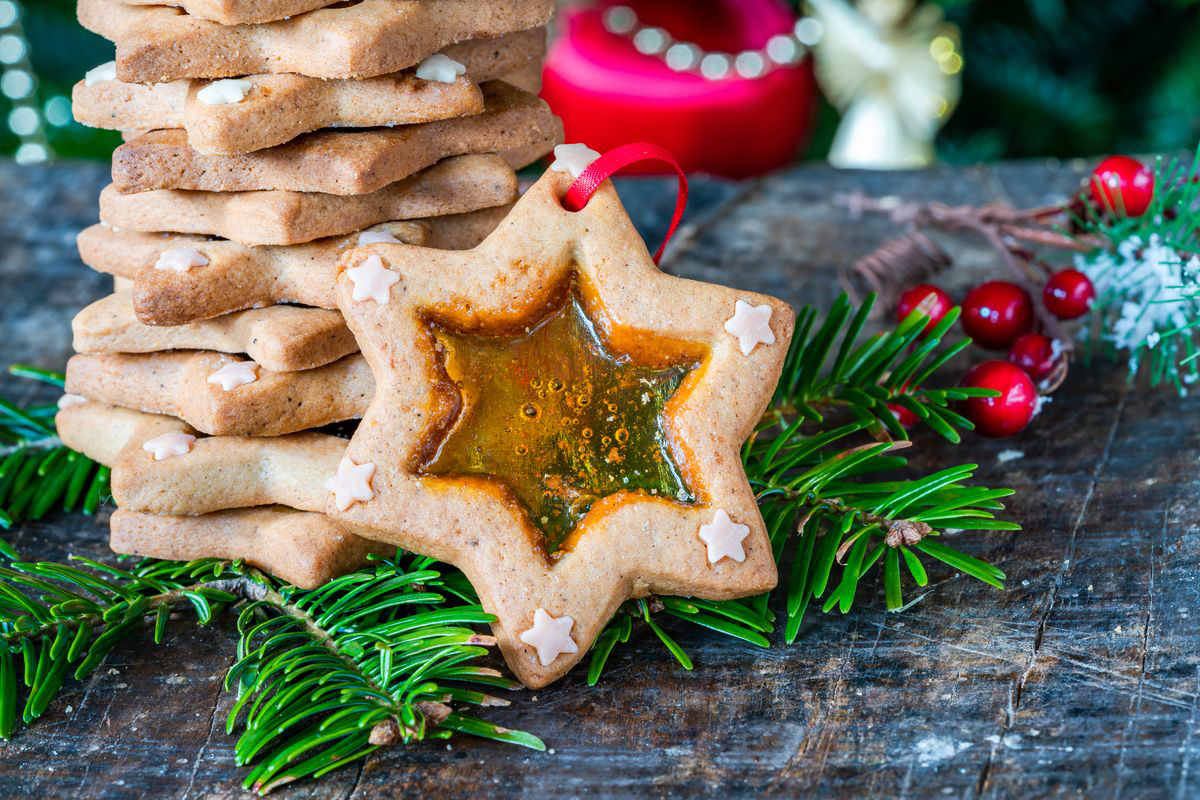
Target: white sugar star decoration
(550, 636)
(724, 538)
(751, 325)
(225, 92)
(71, 400)
(169, 445)
(573, 158)
(372, 281)
(377, 237)
(181, 259)
(352, 484)
(440, 68)
(105, 72)
(235, 374)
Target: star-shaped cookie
(628, 543)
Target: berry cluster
(1000, 315)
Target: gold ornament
(894, 71)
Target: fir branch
(831, 502)
(38, 473)
(370, 659)
(54, 617)
(324, 677)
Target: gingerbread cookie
(453, 186)
(160, 466)
(156, 44)
(300, 547)
(239, 12)
(304, 548)
(561, 420)
(180, 279)
(222, 395)
(463, 231)
(280, 338)
(260, 111)
(527, 78)
(102, 432)
(515, 124)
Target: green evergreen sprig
(373, 658)
(384, 655)
(57, 619)
(37, 473)
(824, 466)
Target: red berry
(1034, 353)
(926, 298)
(1007, 414)
(1068, 294)
(997, 312)
(905, 417)
(1123, 186)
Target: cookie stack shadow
(263, 138)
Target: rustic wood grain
(1082, 679)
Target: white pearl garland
(781, 51)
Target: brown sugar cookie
(304, 548)
(160, 466)
(463, 231)
(452, 186)
(156, 44)
(178, 279)
(271, 109)
(300, 547)
(527, 78)
(280, 338)
(222, 395)
(517, 125)
(239, 12)
(102, 432)
(561, 420)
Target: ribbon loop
(613, 161)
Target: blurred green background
(1042, 78)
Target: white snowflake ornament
(235, 374)
(750, 325)
(573, 158)
(169, 445)
(229, 91)
(352, 484)
(440, 68)
(550, 636)
(724, 538)
(372, 281)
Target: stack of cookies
(263, 138)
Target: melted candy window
(557, 418)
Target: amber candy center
(556, 417)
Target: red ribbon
(613, 161)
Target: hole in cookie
(558, 414)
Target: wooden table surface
(1080, 680)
